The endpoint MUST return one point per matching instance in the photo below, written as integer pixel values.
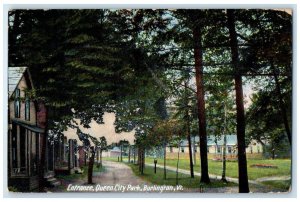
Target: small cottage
(215, 146)
(115, 152)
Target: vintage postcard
(149, 100)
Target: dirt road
(117, 173)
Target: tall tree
(240, 118)
(77, 56)
(270, 130)
(184, 103)
(220, 117)
(201, 104)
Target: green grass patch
(115, 159)
(215, 167)
(13, 189)
(183, 179)
(283, 185)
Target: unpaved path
(120, 173)
(274, 178)
(117, 173)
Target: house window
(182, 149)
(27, 108)
(17, 103)
(171, 149)
(229, 150)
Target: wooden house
(27, 120)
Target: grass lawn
(115, 159)
(279, 184)
(215, 167)
(184, 180)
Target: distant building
(115, 152)
(215, 147)
(25, 132)
(66, 155)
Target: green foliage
(136, 62)
(270, 130)
(73, 51)
(167, 131)
(13, 189)
(103, 143)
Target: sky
(107, 130)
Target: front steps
(51, 181)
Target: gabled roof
(14, 76)
(116, 149)
(230, 140)
(211, 140)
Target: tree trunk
(129, 153)
(177, 163)
(142, 160)
(134, 154)
(281, 105)
(90, 168)
(201, 104)
(165, 158)
(98, 162)
(191, 156)
(194, 150)
(42, 163)
(242, 160)
(85, 158)
(144, 154)
(59, 151)
(188, 131)
(101, 158)
(121, 152)
(139, 158)
(224, 160)
(224, 147)
(43, 155)
(273, 150)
